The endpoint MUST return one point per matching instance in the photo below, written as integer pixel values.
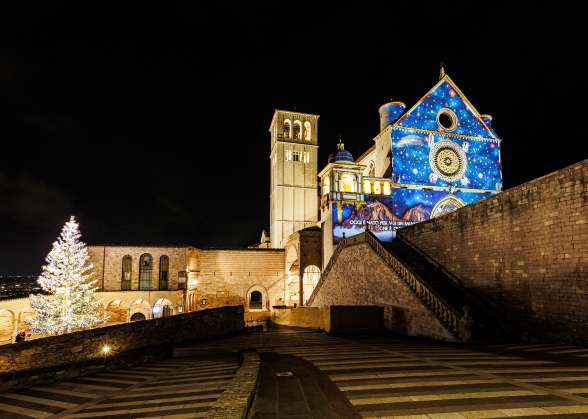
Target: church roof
(341, 155)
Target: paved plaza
(307, 374)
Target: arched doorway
(256, 298)
(162, 308)
(116, 312)
(140, 307)
(292, 276)
(255, 301)
(6, 323)
(310, 278)
(137, 317)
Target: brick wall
(226, 275)
(525, 251)
(360, 277)
(57, 357)
(107, 261)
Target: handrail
(449, 315)
(442, 270)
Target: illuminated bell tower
(293, 159)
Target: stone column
(14, 329)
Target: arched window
(372, 169)
(367, 187)
(377, 189)
(326, 185)
(287, 125)
(145, 272)
(297, 130)
(127, 264)
(163, 272)
(386, 188)
(311, 277)
(348, 182)
(307, 131)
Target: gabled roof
(446, 95)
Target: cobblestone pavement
(306, 374)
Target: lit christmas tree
(70, 304)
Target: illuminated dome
(341, 155)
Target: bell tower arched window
(287, 127)
(297, 130)
(307, 136)
(145, 272)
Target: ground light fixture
(105, 351)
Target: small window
(296, 156)
(367, 187)
(372, 169)
(377, 188)
(307, 131)
(288, 155)
(127, 263)
(163, 272)
(306, 157)
(387, 188)
(447, 119)
(326, 185)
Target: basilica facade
(437, 156)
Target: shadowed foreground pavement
(305, 374)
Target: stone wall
(360, 277)
(525, 251)
(303, 317)
(49, 359)
(235, 401)
(228, 276)
(107, 261)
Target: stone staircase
(440, 291)
(487, 324)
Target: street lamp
(105, 351)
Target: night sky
(149, 121)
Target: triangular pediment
(446, 109)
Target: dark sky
(149, 121)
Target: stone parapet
(235, 401)
(75, 354)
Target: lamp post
(105, 351)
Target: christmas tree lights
(70, 304)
